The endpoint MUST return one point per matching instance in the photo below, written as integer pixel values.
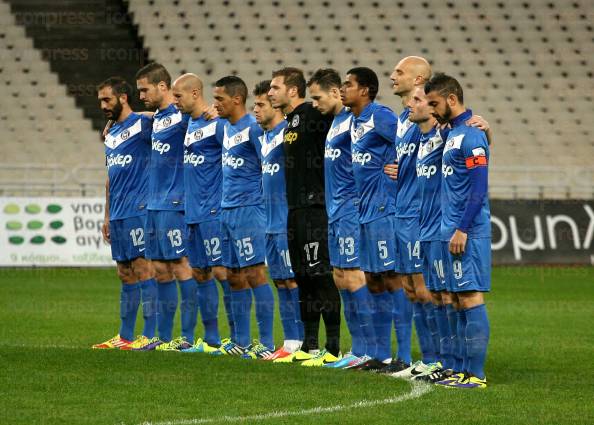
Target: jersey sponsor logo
(403, 127)
(118, 160)
(200, 133)
(269, 145)
(426, 171)
(360, 131)
(268, 168)
(236, 139)
(232, 161)
(161, 147)
(447, 170)
(339, 129)
(361, 158)
(430, 146)
(476, 161)
(113, 141)
(291, 136)
(193, 159)
(454, 142)
(331, 153)
(166, 122)
(404, 149)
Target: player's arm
(105, 227)
(477, 165)
(386, 125)
(482, 124)
(210, 113)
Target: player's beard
(114, 114)
(446, 116)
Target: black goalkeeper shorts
(307, 232)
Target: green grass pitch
(540, 367)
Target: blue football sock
(432, 327)
(287, 314)
(402, 315)
(453, 322)
(350, 316)
(461, 341)
(167, 309)
(445, 340)
(129, 302)
(382, 324)
(227, 302)
(296, 308)
(423, 334)
(241, 305)
(363, 306)
(208, 299)
(265, 313)
(149, 294)
(477, 339)
(188, 308)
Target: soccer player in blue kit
(272, 155)
(372, 147)
(243, 221)
(465, 226)
(127, 152)
(410, 72)
(165, 229)
(203, 191)
(342, 206)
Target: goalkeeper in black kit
(307, 230)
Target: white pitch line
(418, 390)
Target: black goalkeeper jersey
(305, 138)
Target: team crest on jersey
(237, 139)
(454, 142)
(201, 133)
(113, 142)
(403, 127)
(431, 145)
(268, 147)
(166, 122)
(295, 121)
(339, 129)
(362, 130)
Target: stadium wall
(43, 231)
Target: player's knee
(236, 279)
(125, 274)
(181, 269)
(470, 299)
(143, 269)
(256, 275)
(436, 298)
(375, 282)
(280, 283)
(201, 275)
(220, 273)
(353, 279)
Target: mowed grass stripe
(540, 367)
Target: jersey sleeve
(476, 156)
(386, 124)
(255, 133)
(475, 149)
(146, 124)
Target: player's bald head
(188, 82)
(417, 66)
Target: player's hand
(210, 113)
(105, 232)
(458, 242)
(478, 122)
(106, 129)
(440, 126)
(391, 170)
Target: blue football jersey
(466, 148)
(373, 146)
(166, 175)
(408, 135)
(341, 193)
(242, 169)
(127, 156)
(429, 183)
(203, 176)
(273, 178)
